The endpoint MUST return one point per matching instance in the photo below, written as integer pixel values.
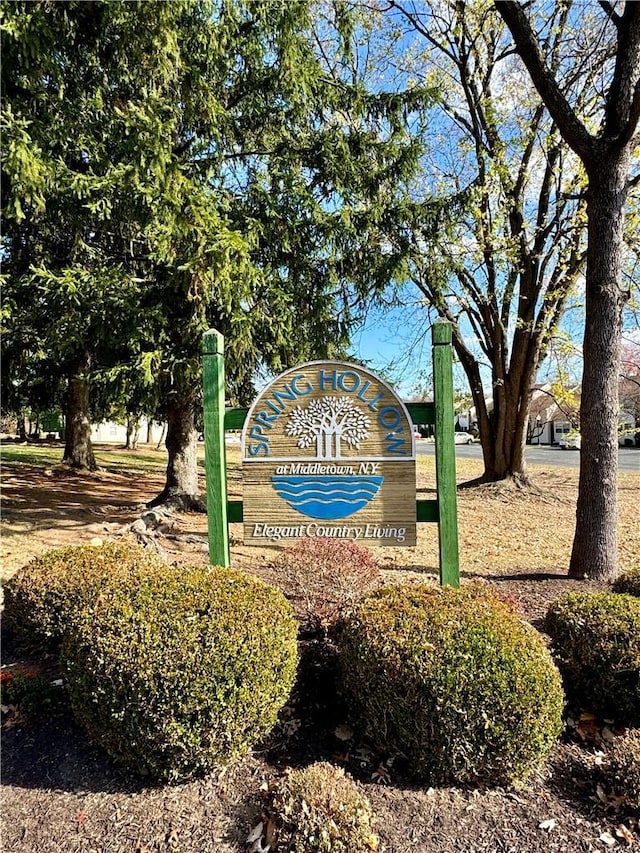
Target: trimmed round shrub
(42, 595)
(177, 675)
(453, 680)
(628, 582)
(596, 641)
(320, 809)
(621, 770)
(322, 576)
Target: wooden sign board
(328, 451)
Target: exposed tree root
(177, 502)
(515, 485)
(157, 523)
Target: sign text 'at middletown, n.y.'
(328, 451)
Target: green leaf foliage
(41, 598)
(174, 676)
(596, 641)
(628, 582)
(181, 166)
(453, 680)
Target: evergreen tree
(179, 166)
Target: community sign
(328, 451)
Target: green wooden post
(214, 448)
(445, 454)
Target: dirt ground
(62, 794)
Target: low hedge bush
(176, 675)
(453, 680)
(320, 809)
(628, 582)
(596, 641)
(620, 770)
(42, 595)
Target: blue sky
(395, 342)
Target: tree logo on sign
(328, 422)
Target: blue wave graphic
(327, 497)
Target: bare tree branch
(610, 12)
(573, 130)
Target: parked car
(570, 441)
(463, 438)
(416, 432)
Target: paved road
(628, 457)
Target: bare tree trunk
(133, 432)
(503, 433)
(606, 156)
(163, 433)
(78, 450)
(181, 484)
(595, 546)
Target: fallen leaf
(292, 726)
(270, 832)
(13, 717)
(624, 833)
(255, 833)
(548, 824)
(381, 775)
(588, 729)
(257, 847)
(80, 818)
(172, 839)
(610, 800)
(607, 838)
(343, 732)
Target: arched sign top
(328, 451)
(328, 412)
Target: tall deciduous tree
(606, 153)
(504, 251)
(630, 389)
